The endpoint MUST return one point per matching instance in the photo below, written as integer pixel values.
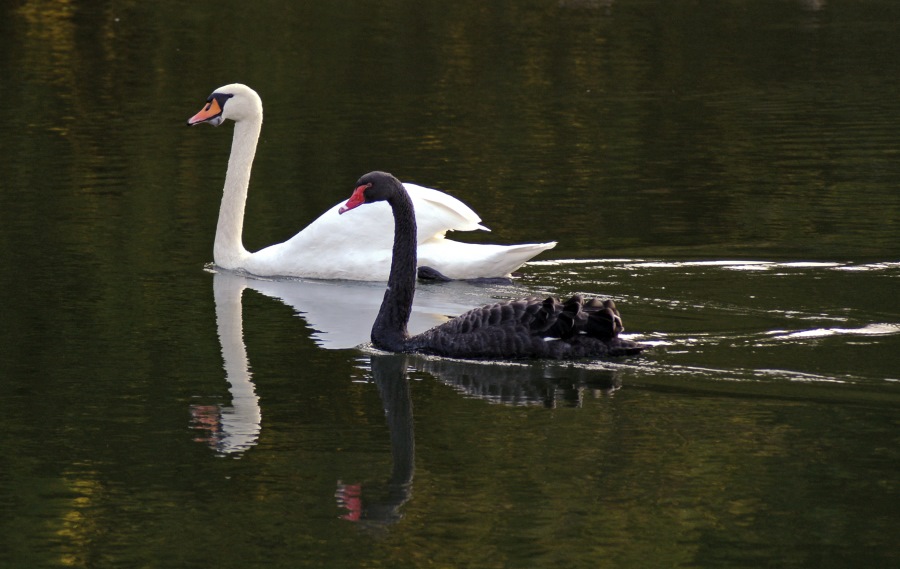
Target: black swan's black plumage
(527, 328)
(531, 327)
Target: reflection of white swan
(341, 312)
(234, 428)
(335, 248)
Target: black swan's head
(373, 187)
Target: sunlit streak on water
(739, 265)
(868, 330)
(798, 376)
(636, 371)
(743, 311)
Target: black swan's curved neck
(389, 331)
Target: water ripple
(878, 329)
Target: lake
(728, 172)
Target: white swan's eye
(220, 99)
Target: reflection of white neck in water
(240, 422)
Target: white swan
(332, 247)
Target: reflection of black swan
(549, 385)
(372, 506)
(530, 328)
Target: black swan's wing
(530, 328)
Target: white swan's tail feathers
(474, 261)
(517, 255)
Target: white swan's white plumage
(331, 247)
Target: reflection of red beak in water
(206, 420)
(349, 496)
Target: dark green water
(727, 171)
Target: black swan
(528, 328)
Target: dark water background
(727, 171)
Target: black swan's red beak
(357, 199)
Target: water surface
(727, 172)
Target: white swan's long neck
(228, 250)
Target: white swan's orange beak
(211, 113)
(357, 199)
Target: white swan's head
(236, 102)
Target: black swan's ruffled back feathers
(530, 328)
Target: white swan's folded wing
(358, 247)
(437, 213)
